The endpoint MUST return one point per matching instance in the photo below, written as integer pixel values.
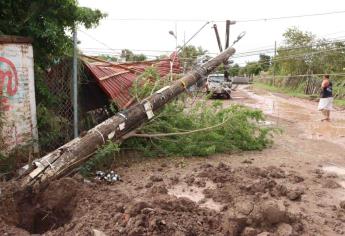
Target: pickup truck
(216, 86)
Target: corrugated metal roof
(117, 79)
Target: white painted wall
(17, 95)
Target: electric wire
(222, 20)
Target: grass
(339, 102)
(292, 93)
(287, 91)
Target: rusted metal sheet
(116, 79)
(17, 93)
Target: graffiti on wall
(8, 82)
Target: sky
(143, 25)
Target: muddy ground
(296, 187)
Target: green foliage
(251, 68)
(52, 127)
(130, 56)
(234, 70)
(298, 91)
(303, 53)
(189, 54)
(296, 38)
(264, 62)
(240, 130)
(49, 23)
(108, 58)
(103, 157)
(147, 83)
(281, 89)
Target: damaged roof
(116, 79)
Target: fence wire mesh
(59, 84)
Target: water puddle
(195, 194)
(303, 113)
(264, 103)
(342, 183)
(340, 171)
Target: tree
(264, 62)
(49, 23)
(130, 56)
(108, 58)
(139, 57)
(189, 55)
(295, 57)
(252, 68)
(234, 70)
(295, 37)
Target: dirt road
(293, 188)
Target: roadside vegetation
(340, 102)
(299, 65)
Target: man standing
(326, 98)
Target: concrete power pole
(79, 150)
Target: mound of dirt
(234, 201)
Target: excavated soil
(296, 187)
(249, 199)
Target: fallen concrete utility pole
(61, 161)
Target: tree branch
(177, 133)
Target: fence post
(274, 64)
(75, 84)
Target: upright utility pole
(218, 39)
(274, 63)
(75, 84)
(227, 33)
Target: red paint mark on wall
(8, 73)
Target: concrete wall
(17, 93)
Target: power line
(255, 52)
(221, 20)
(97, 40)
(292, 56)
(240, 55)
(332, 74)
(293, 16)
(295, 56)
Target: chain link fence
(56, 120)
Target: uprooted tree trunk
(77, 151)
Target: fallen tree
(77, 151)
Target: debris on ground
(109, 176)
(213, 199)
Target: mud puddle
(302, 112)
(339, 175)
(196, 194)
(335, 169)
